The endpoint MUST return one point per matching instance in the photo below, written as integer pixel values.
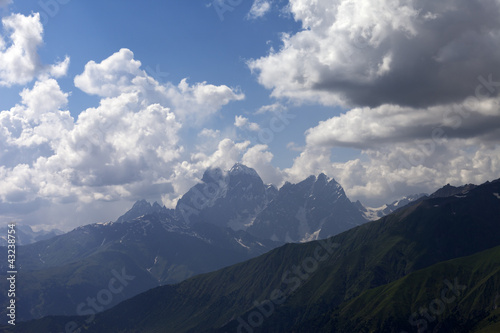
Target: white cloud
(369, 127)
(197, 102)
(259, 158)
(244, 123)
(115, 75)
(395, 167)
(275, 107)
(259, 9)
(35, 126)
(19, 61)
(121, 73)
(240, 121)
(365, 53)
(209, 133)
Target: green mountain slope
(460, 295)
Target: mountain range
(312, 209)
(428, 267)
(26, 235)
(227, 218)
(57, 274)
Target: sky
(104, 103)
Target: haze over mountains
(430, 266)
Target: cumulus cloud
(364, 53)
(34, 127)
(244, 123)
(392, 171)
(368, 128)
(260, 158)
(259, 9)
(275, 107)
(19, 60)
(121, 73)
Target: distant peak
(213, 174)
(239, 168)
(141, 203)
(323, 178)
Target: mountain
(228, 199)
(433, 263)
(143, 207)
(373, 214)
(315, 208)
(462, 296)
(448, 190)
(25, 235)
(58, 274)
(312, 209)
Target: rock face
(143, 207)
(230, 199)
(312, 209)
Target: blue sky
(174, 40)
(383, 97)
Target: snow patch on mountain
(311, 237)
(374, 213)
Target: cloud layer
(363, 53)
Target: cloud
(364, 128)
(244, 123)
(121, 73)
(275, 107)
(393, 171)
(259, 9)
(360, 53)
(419, 81)
(34, 127)
(259, 158)
(19, 60)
